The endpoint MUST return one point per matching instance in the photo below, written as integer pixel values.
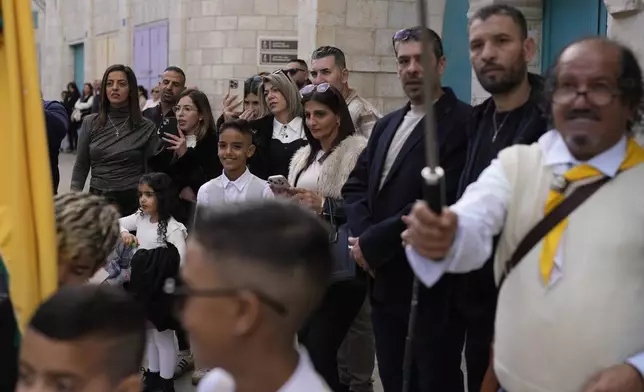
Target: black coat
(375, 215)
(150, 270)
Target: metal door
(78, 52)
(567, 21)
(150, 53)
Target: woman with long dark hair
(317, 173)
(115, 143)
(82, 108)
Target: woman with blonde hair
(278, 125)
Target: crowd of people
(285, 261)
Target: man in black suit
(381, 190)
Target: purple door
(150, 53)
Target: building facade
(215, 40)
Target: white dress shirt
(287, 133)
(482, 211)
(304, 379)
(233, 191)
(409, 123)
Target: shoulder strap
(550, 221)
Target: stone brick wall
(363, 30)
(221, 39)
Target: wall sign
(276, 51)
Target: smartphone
(236, 88)
(279, 182)
(168, 125)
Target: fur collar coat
(335, 169)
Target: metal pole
(433, 178)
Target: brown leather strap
(550, 221)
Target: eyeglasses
(600, 94)
(320, 88)
(155, 91)
(181, 293)
(405, 34)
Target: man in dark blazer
(380, 191)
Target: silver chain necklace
(497, 129)
(118, 130)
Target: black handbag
(344, 267)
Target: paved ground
(65, 165)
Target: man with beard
(172, 83)
(500, 51)
(382, 188)
(569, 313)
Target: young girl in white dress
(155, 226)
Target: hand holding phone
(279, 184)
(236, 91)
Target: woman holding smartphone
(279, 128)
(190, 156)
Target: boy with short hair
(253, 274)
(84, 338)
(237, 183)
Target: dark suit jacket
(56, 122)
(375, 216)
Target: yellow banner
(27, 231)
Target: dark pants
(390, 322)
(328, 325)
(72, 134)
(182, 339)
(126, 201)
(471, 324)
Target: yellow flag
(27, 231)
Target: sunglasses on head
(320, 88)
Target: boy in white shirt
(243, 305)
(237, 183)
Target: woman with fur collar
(317, 173)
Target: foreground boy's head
(235, 145)
(253, 274)
(84, 338)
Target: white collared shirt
(287, 133)
(233, 191)
(304, 379)
(482, 211)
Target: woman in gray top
(115, 143)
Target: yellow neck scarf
(634, 156)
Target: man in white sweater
(569, 314)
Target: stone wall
(363, 29)
(221, 39)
